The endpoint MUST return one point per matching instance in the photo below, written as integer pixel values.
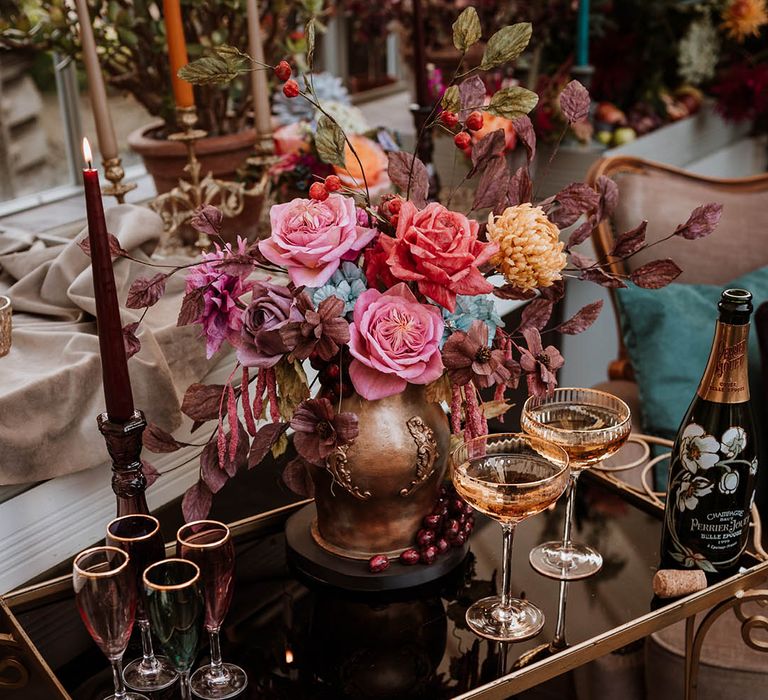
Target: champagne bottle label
(725, 378)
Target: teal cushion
(668, 334)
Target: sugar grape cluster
(448, 525)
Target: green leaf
(330, 142)
(292, 387)
(506, 45)
(451, 101)
(466, 29)
(310, 42)
(220, 67)
(512, 102)
(313, 7)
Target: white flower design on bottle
(734, 440)
(697, 449)
(692, 488)
(729, 481)
(753, 466)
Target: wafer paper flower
(311, 238)
(347, 283)
(469, 357)
(394, 340)
(539, 363)
(323, 330)
(319, 430)
(468, 310)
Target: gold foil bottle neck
(725, 379)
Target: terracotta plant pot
(220, 155)
(372, 496)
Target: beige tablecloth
(50, 383)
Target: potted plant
(130, 36)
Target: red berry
(462, 140)
(291, 88)
(347, 390)
(450, 119)
(451, 526)
(378, 563)
(283, 71)
(410, 557)
(317, 191)
(425, 537)
(332, 183)
(468, 509)
(442, 545)
(428, 555)
(432, 522)
(332, 371)
(459, 540)
(474, 121)
(456, 506)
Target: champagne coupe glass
(590, 425)
(208, 543)
(510, 477)
(105, 593)
(139, 537)
(175, 607)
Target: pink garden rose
(438, 249)
(394, 341)
(311, 238)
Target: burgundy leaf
(267, 436)
(207, 219)
(630, 241)
(526, 134)
(296, 477)
(115, 249)
(702, 221)
(574, 102)
(655, 274)
(150, 473)
(580, 233)
(158, 440)
(510, 292)
(210, 471)
(400, 170)
(520, 187)
(192, 306)
(492, 187)
(196, 503)
(202, 401)
(601, 277)
(582, 319)
(145, 291)
(536, 314)
(472, 94)
(487, 148)
(581, 261)
(576, 199)
(609, 197)
(555, 292)
(130, 341)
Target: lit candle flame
(288, 656)
(87, 153)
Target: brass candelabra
(114, 172)
(179, 205)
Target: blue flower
(469, 309)
(347, 283)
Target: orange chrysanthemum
(743, 18)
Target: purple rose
(311, 238)
(271, 309)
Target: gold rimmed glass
(176, 608)
(139, 536)
(208, 543)
(509, 477)
(105, 593)
(590, 425)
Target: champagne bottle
(714, 459)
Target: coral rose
(438, 249)
(394, 340)
(493, 123)
(311, 238)
(374, 160)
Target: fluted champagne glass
(139, 537)
(176, 608)
(590, 425)
(509, 477)
(208, 543)
(105, 593)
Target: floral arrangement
(377, 296)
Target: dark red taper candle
(114, 363)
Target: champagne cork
(673, 583)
